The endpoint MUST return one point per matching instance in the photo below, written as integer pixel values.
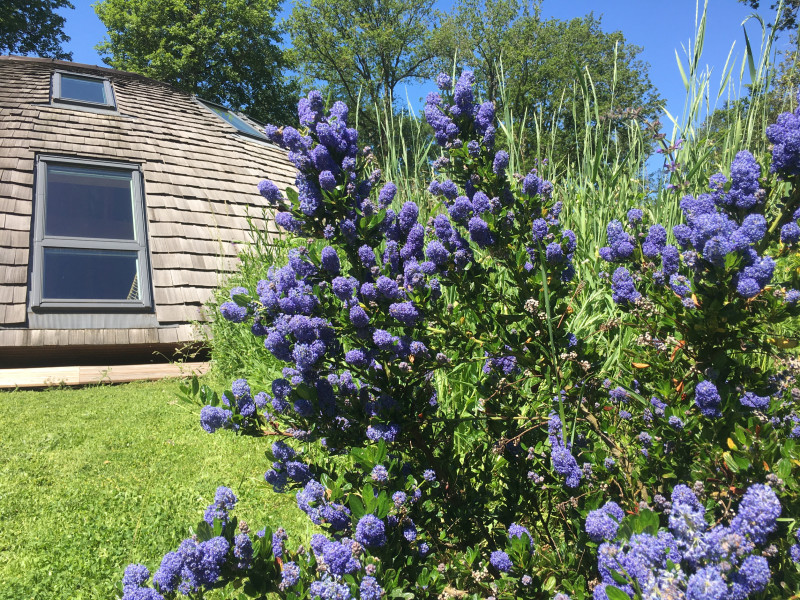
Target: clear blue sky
(659, 28)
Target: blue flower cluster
(194, 566)
(312, 500)
(717, 244)
(564, 463)
(690, 559)
(224, 501)
(243, 404)
(285, 467)
(784, 135)
(488, 210)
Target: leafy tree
(34, 27)
(225, 51)
(362, 49)
(788, 20)
(543, 60)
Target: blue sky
(659, 28)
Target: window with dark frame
(83, 90)
(233, 119)
(89, 242)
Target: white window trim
(42, 241)
(109, 91)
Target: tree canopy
(34, 27)
(226, 51)
(788, 18)
(362, 49)
(542, 60)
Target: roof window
(83, 90)
(232, 118)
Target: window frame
(41, 241)
(57, 98)
(207, 104)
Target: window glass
(236, 121)
(90, 203)
(79, 274)
(83, 89)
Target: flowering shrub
(440, 421)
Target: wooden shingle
(200, 179)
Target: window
(232, 118)
(90, 244)
(83, 90)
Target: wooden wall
(200, 180)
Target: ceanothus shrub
(436, 417)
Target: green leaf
(204, 531)
(615, 593)
(356, 506)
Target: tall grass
(235, 351)
(613, 168)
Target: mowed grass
(92, 479)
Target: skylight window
(83, 90)
(232, 118)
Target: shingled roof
(200, 178)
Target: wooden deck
(55, 376)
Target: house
(121, 204)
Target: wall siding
(200, 180)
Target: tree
(225, 51)
(788, 18)
(362, 49)
(34, 27)
(542, 60)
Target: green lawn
(92, 479)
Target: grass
(92, 479)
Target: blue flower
(290, 575)
(623, 288)
(367, 256)
(405, 312)
(635, 216)
(501, 561)
(707, 399)
(328, 589)
(387, 194)
(500, 162)
(620, 243)
(790, 233)
(603, 523)
(707, 584)
(214, 417)
(371, 532)
(369, 588)
(135, 576)
(233, 312)
(784, 135)
(758, 513)
(443, 82)
(752, 400)
(380, 474)
(270, 191)
(480, 233)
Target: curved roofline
(69, 64)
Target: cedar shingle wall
(200, 184)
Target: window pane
(84, 90)
(240, 124)
(88, 202)
(71, 274)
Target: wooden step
(55, 376)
